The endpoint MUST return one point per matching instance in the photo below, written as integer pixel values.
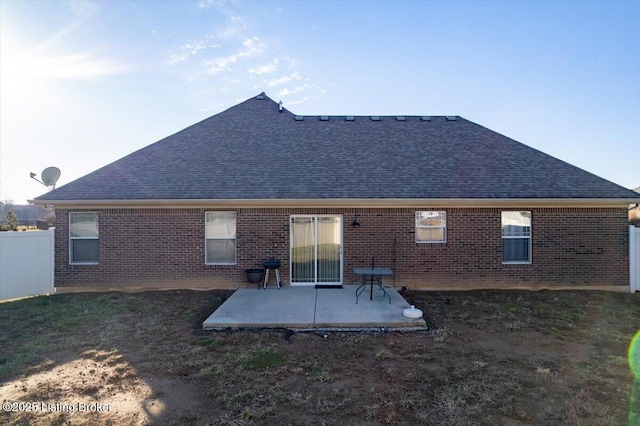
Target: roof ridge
(387, 118)
(263, 96)
(376, 115)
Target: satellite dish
(50, 176)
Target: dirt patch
(490, 358)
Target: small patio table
(375, 274)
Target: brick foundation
(160, 248)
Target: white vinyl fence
(26, 263)
(634, 259)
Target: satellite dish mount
(49, 177)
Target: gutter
(344, 202)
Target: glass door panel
(316, 250)
(303, 265)
(329, 266)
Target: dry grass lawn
(490, 358)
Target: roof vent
(299, 118)
(425, 118)
(400, 118)
(375, 118)
(451, 118)
(280, 106)
(260, 96)
(349, 118)
(324, 118)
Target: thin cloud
(236, 26)
(298, 101)
(293, 62)
(265, 69)
(218, 65)
(197, 48)
(188, 50)
(241, 56)
(221, 6)
(282, 80)
(205, 4)
(289, 92)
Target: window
(220, 236)
(431, 227)
(83, 238)
(516, 237)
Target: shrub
(10, 221)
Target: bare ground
(490, 358)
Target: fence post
(633, 260)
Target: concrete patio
(311, 308)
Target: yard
(490, 358)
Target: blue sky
(85, 83)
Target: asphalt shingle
(254, 151)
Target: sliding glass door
(316, 250)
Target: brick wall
(166, 248)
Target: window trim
(235, 239)
(444, 227)
(71, 261)
(515, 237)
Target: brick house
(444, 202)
(634, 211)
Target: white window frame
(235, 254)
(71, 239)
(517, 237)
(418, 226)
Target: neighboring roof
(254, 151)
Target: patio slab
(309, 308)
